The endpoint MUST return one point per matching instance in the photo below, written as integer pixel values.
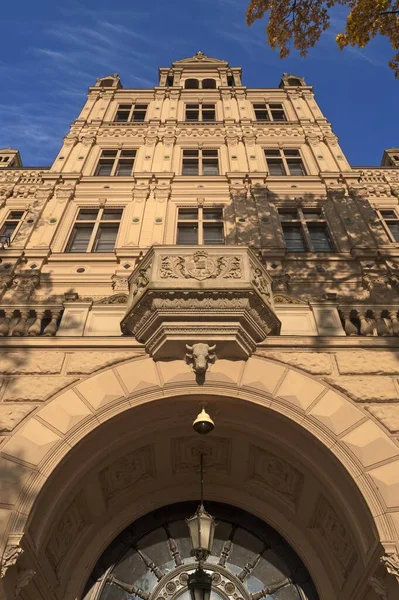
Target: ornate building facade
(199, 243)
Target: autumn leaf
(300, 23)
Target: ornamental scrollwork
(200, 266)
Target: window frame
(267, 107)
(200, 109)
(116, 160)
(200, 221)
(386, 220)
(200, 159)
(18, 223)
(285, 160)
(305, 225)
(96, 224)
(133, 108)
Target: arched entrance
(151, 559)
(109, 450)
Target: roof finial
(200, 55)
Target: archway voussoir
(335, 413)
(370, 444)
(298, 389)
(138, 375)
(65, 412)
(101, 389)
(262, 375)
(386, 478)
(31, 443)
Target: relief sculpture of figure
(260, 283)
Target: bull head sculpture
(200, 355)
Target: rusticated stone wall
(30, 376)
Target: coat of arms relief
(200, 266)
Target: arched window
(107, 83)
(191, 84)
(208, 84)
(294, 81)
(151, 560)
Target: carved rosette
(181, 295)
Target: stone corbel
(358, 191)
(391, 563)
(10, 557)
(88, 140)
(336, 190)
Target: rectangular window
(200, 226)
(200, 112)
(95, 230)
(305, 230)
(284, 162)
(116, 162)
(9, 227)
(390, 219)
(200, 162)
(269, 112)
(131, 112)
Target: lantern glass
(199, 585)
(202, 531)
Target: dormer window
(107, 83)
(208, 84)
(191, 84)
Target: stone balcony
(182, 295)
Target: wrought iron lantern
(202, 530)
(200, 585)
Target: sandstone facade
(198, 242)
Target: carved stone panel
(70, 525)
(127, 471)
(186, 453)
(333, 532)
(275, 475)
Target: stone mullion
(135, 210)
(102, 106)
(293, 97)
(86, 112)
(331, 141)
(312, 106)
(162, 195)
(174, 96)
(226, 98)
(64, 154)
(52, 215)
(249, 141)
(376, 229)
(241, 99)
(350, 217)
(268, 219)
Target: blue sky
(52, 51)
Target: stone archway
(365, 486)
